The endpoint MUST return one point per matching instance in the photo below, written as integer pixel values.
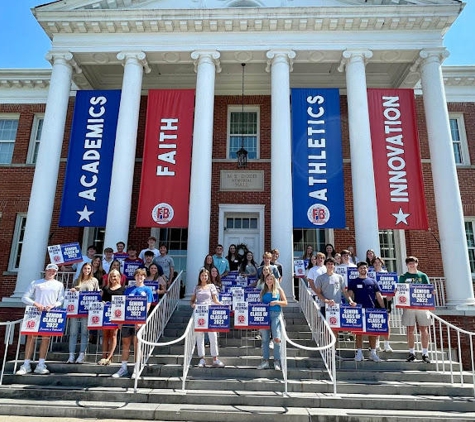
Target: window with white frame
(459, 139)
(243, 131)
(8, 129)
(35, 139)
(17, 243)
(470, 235)
(387, 243)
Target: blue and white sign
(212, 318)
(415, 296)
(252, 316)
(387, 283)
(89, 167)
(317, 159)
(344, 317)
(69, 253)
(43, 323)
(129, 309)
(375, 322)
(130, 267)
(99, 316)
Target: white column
(446, 188)
(280, 66)
(40, 208)
(365, 210)
(120, 202)
(206, 66)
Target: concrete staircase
(367, 391)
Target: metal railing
(152, 330)
(446, 350)
(439, 287)
(322, 334)
(10, 327)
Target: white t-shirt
(315, 271)
(44, 292)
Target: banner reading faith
(396, 160)
(89, 168)
(165, 182)
(317, 160)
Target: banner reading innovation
(317, 161)
(165, 182)
(89, 167)
(397, 161)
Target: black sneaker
(425, 358)
(411, 357)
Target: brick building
(137, 45)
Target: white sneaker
(80, 358)
(271, 344)
(41, 369)
(374, 357)
(264, 365)
(359, 356)
(202, 363)
(277, 366)
(122, 372)
(218, 364)
(71, 358)
(388, 349)
(24, 369)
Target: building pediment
(68, 5)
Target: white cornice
(303, 19)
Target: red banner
(397, 161)
(165, 182)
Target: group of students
(329, 287)
(207, 290)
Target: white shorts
(411, 316)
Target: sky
(23, 44)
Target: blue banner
(317, 160)
(89, 167)
(415, 296)
(43, 323)
(375, 322)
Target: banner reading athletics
(165, 182)
(89, 167)
(317, 161)
(397, 161)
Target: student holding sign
(44, 294)
(205, 293)
(85, 283)
(365, 291)
(273, 295)
(129, 332)
(411, 316)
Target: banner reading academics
(89, 167)
(165, 182)
(317, 160)
(397, 160)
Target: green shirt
(418, 278)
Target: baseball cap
(52, 267)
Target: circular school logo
(70, 308)
(402, 299)
(201, 322)
(118, 313)
(333, 321)
(57, 258)
(241, 319)
(318, 214)
(30, 324)
(163, 213)
(95, 320)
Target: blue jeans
(74, 325)
(276, 334)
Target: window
(304, 237)
(17, 242)
(243, 130)
(387, 243)
(470, 235)
(8, 129)
(35, 139)
(241, 223)
(459, 139)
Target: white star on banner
(401, 217)
(84, 214)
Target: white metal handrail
(439, 287)
(10, 327)
(152, 330)
(322, 334)
(446, 350)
